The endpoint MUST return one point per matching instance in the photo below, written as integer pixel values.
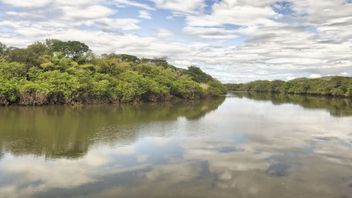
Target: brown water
(246, 145)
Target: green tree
(30, 56)
(198, 75)
(60, 72)
(325, 86)
(3, 50)
(71, 49)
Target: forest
(68, 72)
(335, 86)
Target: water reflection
(336, 106)
(58, 131)
(242, 148)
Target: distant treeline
(66, 72)
(326, 86)
(338, 107)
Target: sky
(233, 40)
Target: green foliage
(336, 106)
(124, 58)
(30, 56)
(12, 70)
(59, 82)
(185, 87)
(110, 65)
(198, 75)
(59, 72)
(3, 50)
(71, 49)
(57, 62)
(216, 88)
(8, 91)
(210, 85)
(325, 86)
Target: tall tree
(71, 49)
(30, 56)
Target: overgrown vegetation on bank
(65, 72)
(338, 107)
(326, 86)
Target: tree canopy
(61, 72)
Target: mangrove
(331, 86)
(68, 72)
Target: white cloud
(182, 6)
(77, 2)
(235, 40)
(164, 33)
(211, 32)
(315, 76)
(235, 12)
(344, 73)
(144, 14)
(29, 4)
(84, 13)
(276, 45)
(118, 23)
(134, 4)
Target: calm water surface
(244, 145)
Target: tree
(58, 72)
(157, 61)
(3, 49)
(198, 75)
(325, 86)
(30, 56)
(108, 65)
(71, 49)
(125, 58)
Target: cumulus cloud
(28, 4)
(211, 32)
(164, 33)
(134, 4)
(234, 40)
(91, 12)
(144, 14)
(280, 43)
(234, 12)
(190, 7)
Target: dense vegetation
(59, 72)
(325, 86)
(337, 107)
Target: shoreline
(328, 96)
(328, 86)
(170, 99)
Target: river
(244, 145)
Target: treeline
(338, 107)
(326, 86)
(67, 72)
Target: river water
(244, 145)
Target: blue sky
(234, 40)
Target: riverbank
(67, 72)
(338, 107)
(332, 86)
